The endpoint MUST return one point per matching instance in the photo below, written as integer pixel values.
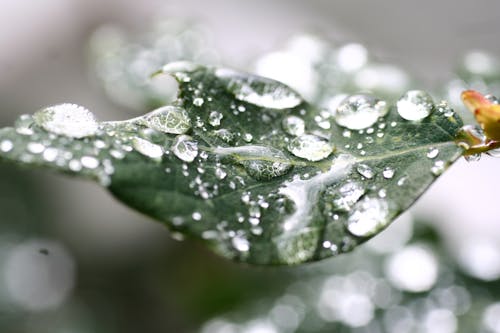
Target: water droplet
(240, 243)
(198, 101)
(432, 153)
(310, 147)
(215, 118)
(473, 157)
(89, 162)
(365, 171)
(438, 168)
(50, 154)
(196, 216)
(347, 196)
(6, 146)
(185, 148)
(35, 147)
(388, 173)
(360, 111)
(147, 148)
(75, 165)
(168, 119)
(247, 137)
(368, 217)
(67, 119)
(225, 135)
(294, 125)
(415, 105)
(220, 173)
(259, 91)
(402, 181)
(23, 125)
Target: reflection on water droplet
(360, 111)
(259, 91)
(215, 118)
(388, 172)
(365, 171)
(415, 105)
(67, 119)
(185, 148)
(168, 119)
(310, 147)
(432, 153)
(147, 148)
(347, 196)
(294, 125)
(6, 146)
(368, 216)
(240, 243)
(413, 269)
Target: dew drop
(310, 147)
(50, 154)
(402, 181)
(438, 168)
(293, 125)
(240, 243)
(215, 118)
(360, 111)
(23, 125)
(258, 91)
(35, 147)
(220, 173)
(368, 216)
(147, 148)
(185, 148)
(432, 153)
(6, 146)
(89, 162)
(75, 165)
(247, 137)
(168, 119)
(198, 101)
(388, 173)
(365, 171)
(415, 105)
(196, 216)
(347, 196)
(67, 119)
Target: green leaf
(243, 163)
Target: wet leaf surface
(245, 164)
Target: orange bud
(487, 114)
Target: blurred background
(72, 259)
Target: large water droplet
(294, 125)
(168, 119)
(360, 111)
(259, 91)
(147, 148)
(185, 148)
(67, 119)
(365, 171)
(369, 216)
(347, 196)
(415, 105)
(310, 147)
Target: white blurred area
(42, 62)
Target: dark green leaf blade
(245, 164)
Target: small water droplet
(368, 216)
(247, 137)
(50, 154)
(147, 148)
(360, 111)
(168, 119)
(415, 105)
(6, 146)
(67, 119)
(473, 157)
(365, 171)
(215, 118)
(35, 147)
(382, 193)
(438, 168)
(240, 243)
(198, 101)
(259, 91)
(89, 162)
(75, 165)
(388, 172)
(310, 147)
(185, 148)
(402, 181)
(432, 153)
(294, 125)
(23, 125)
(225, 135)
(196, 216)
